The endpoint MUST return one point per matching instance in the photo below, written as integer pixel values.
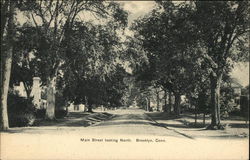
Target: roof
(235, 83)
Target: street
(122, 122)
(126, 134)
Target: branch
(33, 18)
(230, 43)
(210, 60)
(55, 21)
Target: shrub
(40, 113)
(235, 112)
(21, 111)
(60, 113)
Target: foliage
(24, 66)
(203, 102)
(21, 111)
(227, 94)
(91, 71)
(224, 33)
(168, 36)
(58, 18)
(53, 23)
(171, 42)
(61, 113)
(40, 113)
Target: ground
(125, 133)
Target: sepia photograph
(124, 80)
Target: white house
(35, 92)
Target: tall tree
(53, 20)
(91, 57)
(169, 37)
(225, 32)
(6, 59)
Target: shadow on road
(161, 116)
(238, 125)
(235, 127)
(120, 123)
(74, 119)
(77, 119)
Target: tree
(92, 53)
(53, 21)
(171, 42)
(6, 57)
(224, 33)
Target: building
(237, 87)
(76, 108)
(35, 92)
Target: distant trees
(170, 40)
(92, 63)
(185, 50)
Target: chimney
(36, 92)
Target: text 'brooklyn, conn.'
(116, 140)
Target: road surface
(122, 122)
(129, 134)
(134, 122)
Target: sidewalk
(185, 124)
(77, 119)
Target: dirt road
(121, 134)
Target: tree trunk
(90, 108)
(146, 107)
(195, 116)
(148, 104)
(28, 91)
(67, 110)
(170, 102)
(50, 110)
(165, 109)
(4, 16)
(204, 118)
(4, 90)
(157, 101)
(6, 70)
(177, 104)
(149, 107)
(215, 101)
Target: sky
(137, 8)
(140, 8)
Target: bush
(17, 120)
(60, 113)
(235, 112)
(40, 113)
(21, 111)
